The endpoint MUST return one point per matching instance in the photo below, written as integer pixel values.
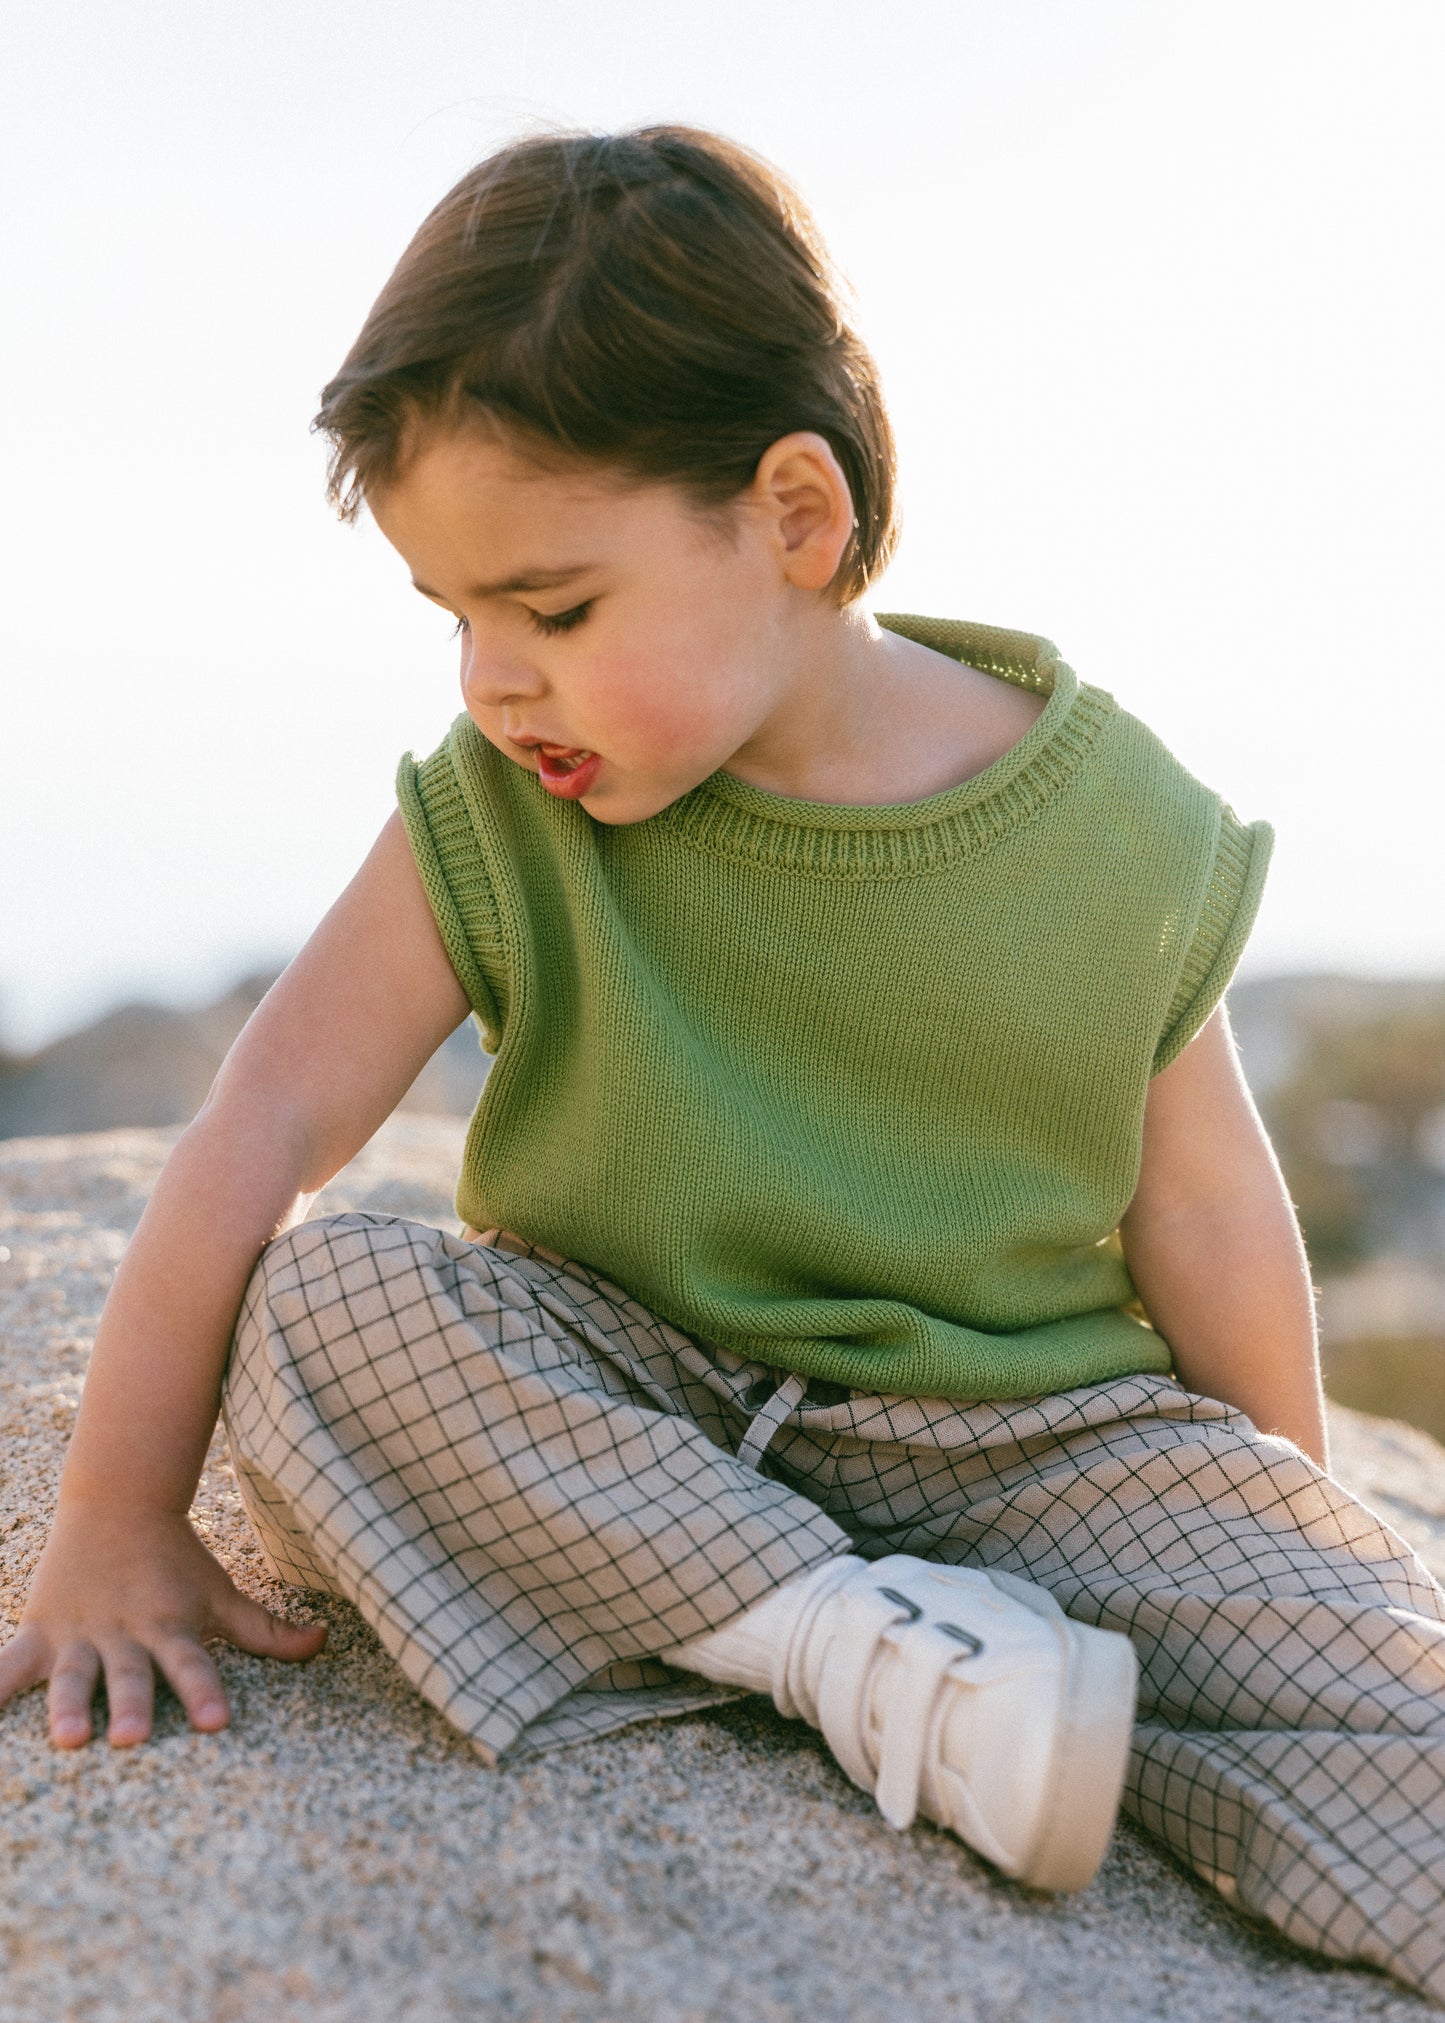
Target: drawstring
(761, 1427)
(764, 1424)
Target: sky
(1158, 301)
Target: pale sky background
(1155, 285)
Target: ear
(800, 489)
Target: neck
(833, 731)
(867, 718)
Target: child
(855, 987)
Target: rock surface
(339, 1853)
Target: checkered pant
(529, 1485)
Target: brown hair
(658, 300)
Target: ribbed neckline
(726, 817)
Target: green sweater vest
(855, 1091)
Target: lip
(566, 782)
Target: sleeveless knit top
(853, 1091)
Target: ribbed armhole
(1231, 901)
(454, 876)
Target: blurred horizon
(202, 996)
(1349, 1075)
(1152, 300)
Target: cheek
(679, 709)
(679, 685)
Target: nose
(491, 677)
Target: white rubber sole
(1090, 1759)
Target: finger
(249, 1627)
(190, 1672)
(130, 1687)
(73, 1679)
(22, 1664)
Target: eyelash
(564, 621)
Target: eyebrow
(526, 579)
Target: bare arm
(1214, 1248)
(124, 1585)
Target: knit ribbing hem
(1226, 916)
(945, 1360)
(453, 874)
(725, 817)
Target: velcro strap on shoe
(911, 1716)
(859, 1617)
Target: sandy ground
(339, 1853)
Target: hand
(127, 1593)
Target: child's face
(631, 680)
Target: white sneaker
(966, 1695)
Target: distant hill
(1273, 1016)
(1349, 1073)
(151, 1065)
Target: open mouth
(566, 770)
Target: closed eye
(562, 621)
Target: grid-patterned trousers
(529, 1485)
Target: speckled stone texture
(340, 1854)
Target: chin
(616, 814)
(620, 810)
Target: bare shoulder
(1008, 710)
(973, 718)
